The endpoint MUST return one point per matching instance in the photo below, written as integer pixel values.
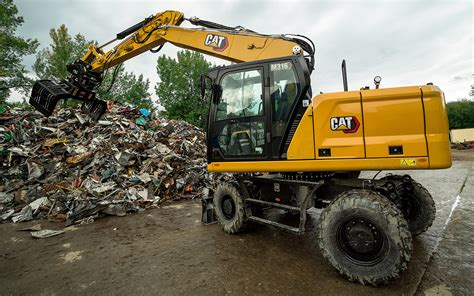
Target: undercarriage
(366, 226)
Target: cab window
(241, 95)
(240, 114)
(284, 91)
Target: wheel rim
(228, 207)
(361, 241)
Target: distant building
(462, 135)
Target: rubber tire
(237, 223)
(378, 209)
(427, 207)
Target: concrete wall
(462, 135)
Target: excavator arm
(235, 44)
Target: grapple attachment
(80, 85)
(46, 94)
(95, 108)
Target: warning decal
(408, 162)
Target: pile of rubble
(68, 169)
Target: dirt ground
(463, 155)
(167, 251)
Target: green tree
(179, 89)
(12, 50)
(51, 63)
(127, 88)
(461, 114)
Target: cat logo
(218, 43)
(347, 124)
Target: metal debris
(46, 233)
(35, 227)
(26, 214)
(65, 168)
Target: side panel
(302, 143)
(338, 125)
(394, 118)
(437, 128)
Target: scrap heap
(68, 169)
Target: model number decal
(347, 124)
(218, 43)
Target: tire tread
(358, 198)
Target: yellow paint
(242, 46)
(394, 117)
(303, 147)
(437, 129)
(341, 104)
(312, 165)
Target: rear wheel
(229, 206)
(419, 209)
(415, 202)
(365, 237)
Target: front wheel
(229, 207)
(365, 237)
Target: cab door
(238, 129)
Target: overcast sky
(405, 42)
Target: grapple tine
(45, 95)
(95, 108)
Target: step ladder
(304, 200)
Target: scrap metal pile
(68, 169)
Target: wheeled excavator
(288, 150)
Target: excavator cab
(253, 107)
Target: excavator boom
(235, 44)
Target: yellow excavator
(288, 150)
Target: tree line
(461, 114)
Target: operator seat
(240, 143)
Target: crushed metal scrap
(68, 169)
